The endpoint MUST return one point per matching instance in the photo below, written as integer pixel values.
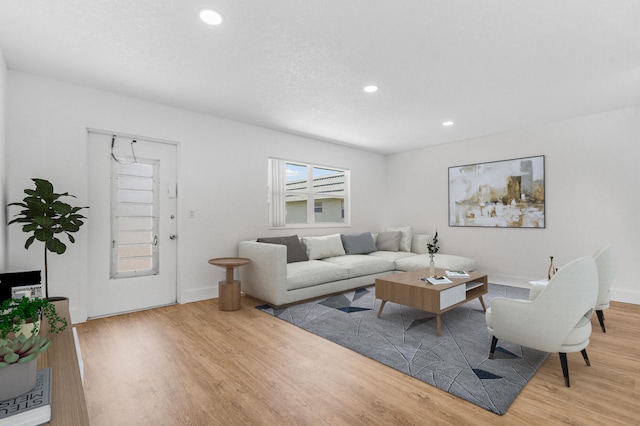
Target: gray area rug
(405, 339)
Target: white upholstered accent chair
(606, 262)
(556, 320)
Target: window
(134, 218)
(304, 194)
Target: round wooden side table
(229, 290)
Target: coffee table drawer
(452, 295)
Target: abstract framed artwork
(498, 194)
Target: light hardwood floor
(194, 365)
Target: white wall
(222, 172)
(591, 185)
(3, 175)
(592, 197)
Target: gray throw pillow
(295, 251)
(389, 241)
(358, 243)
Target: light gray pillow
(358, 243)
(405, 239)
(389, 241)
(323, 247)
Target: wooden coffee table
(408, 289)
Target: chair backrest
(569, 296)
(606, 262)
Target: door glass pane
(135, 223)
(135, 210)
(138, 169)
(135, 196)
(136, 265)
(135, 182)
(135, 250)
(128, 237)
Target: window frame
(116, 213)
(277, 188)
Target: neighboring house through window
(303, 194)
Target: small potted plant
(432, 248)
(20, 343)
(16, 313)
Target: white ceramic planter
(27, 328)
(18, 378)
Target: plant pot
(27, 328)
(18, 378)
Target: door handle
(172, 236)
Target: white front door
(132, 223)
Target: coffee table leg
(438, 325)
(482, 303)
(381, 306)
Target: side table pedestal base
(229, 296)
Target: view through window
(308, 194)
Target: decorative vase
(18, 378)
(432, 267)
(552, 269)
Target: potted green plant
(46, 218)
(19, 349)
(15, 313)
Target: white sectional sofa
(285, 270)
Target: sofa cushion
(358, 243)
(444, 261)
(389, 241)
(321, 247)
(295, 251)
(405, 240)
(391, 256)
(360, 264)
(313, 272)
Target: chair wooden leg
(565, 368)
(586, 358)
(494, 342)
(600, 315)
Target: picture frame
(498, 194)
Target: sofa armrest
(266, 276)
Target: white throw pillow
(322, 247)
(405, 240)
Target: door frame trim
(180, 297)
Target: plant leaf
(11, 358)
(56, 246)
(43, 234)
(44, 188)
(29, 241)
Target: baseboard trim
(198, 294)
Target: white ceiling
(300, 65)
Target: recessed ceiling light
(447, 123)
(211, 17)
(371, 89)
